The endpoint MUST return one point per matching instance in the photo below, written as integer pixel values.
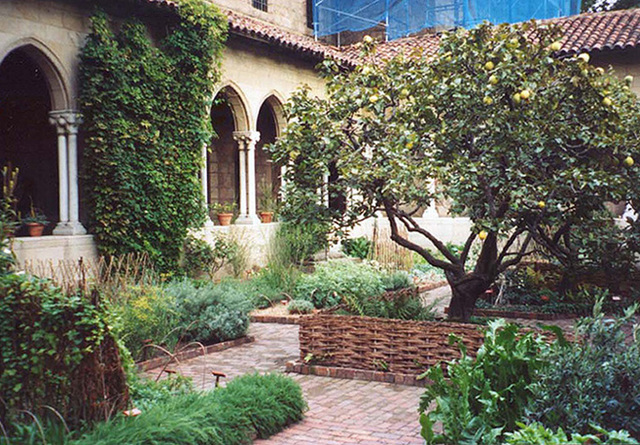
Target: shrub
(537, 434)
(334, 280)
(357, 247)
(296, 243)
(594, 380)
(146, 313)
(396, 280)
(402, 305)
(56, 350)
(272, 282)
(200, 258)
(146, 393)
(486, 395)
(300, 307)
(250, 406)
(211, 313)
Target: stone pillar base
(246, 220)
(69, 228)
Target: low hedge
(252, 406)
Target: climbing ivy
(145, 104)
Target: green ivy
(145, 105)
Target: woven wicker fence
(377, 344)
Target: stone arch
(238, 103)
(270, 123)
(54, 73)
(32, 85)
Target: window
(261, 5)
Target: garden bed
(507, 312)
(196, 351)
(385, 345)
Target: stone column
(67, 122)
(253, 139)
(204, 178)
(247, 148)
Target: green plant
(402, 305)
(300, 307)
(357, 247)
(223, 207)
(35, 216)
(199, 257)
(268, 201)
(593, 380)
(211, 313)
(7, 218)
(249, 406)
(144, 106)
(334, 280)
(56, 350)
(397, 280)
(484, 397)
(528, 149)
(146, 393)
(293, 243)
(537, 434)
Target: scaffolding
(401, 18)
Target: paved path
(340, 411)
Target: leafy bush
(146, 393)
(594, 380)
(357, 247)
(273, 282)
(250, 406)
(53, 347)
(200, 258)
(300, 307)
(334, 280)
(211, 313)
(484, 396)
(537, 434)
(397, 280)
(146, 313)
(404, 305)
(296, 243)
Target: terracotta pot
(35, 229)
(224, 218)
(266, 217)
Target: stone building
(270, 52)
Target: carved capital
(65, 121)
(246, 139)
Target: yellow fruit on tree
(482, 235)
(487, 100)
(366, 70)
(542, 204)
(607, 102)
(628, 80)
(517, 98)
(404, 92)
(373, 99)
(525, 94)
(493, 79)
(489, 66)
(367, 39)
(600, 70)
(584, 57)
(555, 46)
(628, 161)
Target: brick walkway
(340, 411)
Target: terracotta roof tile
(426, 45)
(253, 28)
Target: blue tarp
(404, 17)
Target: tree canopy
(525, 143)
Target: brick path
(340, 411)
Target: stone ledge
(195, 352)
(355, 374)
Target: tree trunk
(465, 291)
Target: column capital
(250, 138)
(65, 120)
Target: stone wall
(289, 14)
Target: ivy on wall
(146, 118)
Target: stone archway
(30, 88)
(268, 174)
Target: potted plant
(224, 212)
(35, 222)
(268, 203)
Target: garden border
(481, 312)
(356, 374)
(156, 362)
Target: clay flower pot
(224, 218)
(35, 229)
(266, 217)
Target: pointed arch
(237, 101)
(54, 73)
(275, 103)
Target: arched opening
(268, 173)
(228, 115)
(27, 140)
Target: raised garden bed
(508, 313)
(376, 344)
